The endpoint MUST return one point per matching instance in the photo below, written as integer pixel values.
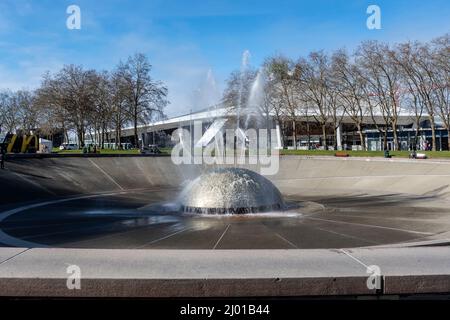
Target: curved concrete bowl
(344, 216)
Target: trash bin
(85, 149)
(386, 154)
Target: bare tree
(383, 78)
(350, 86)
(9, 113)
(27, 111)
(102, 113)
(237, 90)
(275, 105)
(18, 111)
(440, 61)
(69, 93)
(283, 79)
(413, 99)
(146, 97)
(118, 99)
(316, 87)
(416, 64)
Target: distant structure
(308, 131)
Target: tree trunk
(324, 136)
(102, 145)
(433, 133)
(294, 135)
(282, 133)
(108, 137)
(136, 138)
(116, 135)
(308, 132)
(416, 137)
(335, 137)
(80, 139)
(117, 138)
(361, 137)
(91, 136)
(395, 135)
(448, 139)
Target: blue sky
(184, 39)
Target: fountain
(231, 191)
(234, 190)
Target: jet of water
(255, 102)
(207, 94)
(244, 66)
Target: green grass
(102, 151)
(166, 150)
(394, 154)
(109, 151)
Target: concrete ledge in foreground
(222, 273)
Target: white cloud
(27, 76)
(180, 66)
(27, 69)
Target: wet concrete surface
(146, 219)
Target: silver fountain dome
(230, 190)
